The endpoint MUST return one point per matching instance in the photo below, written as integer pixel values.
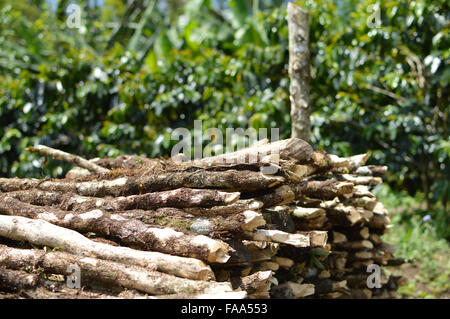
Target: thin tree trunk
(230, 180)
(298, 23)
(67, 157)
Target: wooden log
(355, 245)
(371, 170)
(376, 239)
(280, 218)
(308, 218)
(280, 237)
(16, 280)
(332, 295)
(320, 223)
(307, 202)
(345, 214)
(327, 189)
(379, 221)
(257, 282)
(337, 161)
(298, 172)
(355, 233)
(299, 256)
(284, 262)
(129, 162)
(337, 260)
(133, 232)
(261, 251)
(39, 232)
(387, 248)
(366, 202)
(300, 239)
(279, 196)
(292, 148)
(252, 220)
(218, 226)
(361, 264)
(307, 213)
(338, 238)
(359, 180)
(234, 208)
(324, 274)
(52, 289)
(260, 295)
(317, 238)
(41, 198)
(106, 272)
(178, 198)
(361, 191)
(363, 255)
(266, 266)
(63, 156)
(269, 164)
(326, 286)
(367, 215)
(77, 172)
(353, 162)
(181, 198)
(364, 233)
(321, 163)
(361, 293)
(229, 180)
(292, 290)
(379, 209)
(329, 203)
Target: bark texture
(298, 24)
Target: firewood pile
(274, 220)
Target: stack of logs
(274, 220)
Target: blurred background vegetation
(136, 70)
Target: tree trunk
(298, 24)
(63, 156)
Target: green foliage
(420, 236)
(420, 241)
(406, 208)
(133, 73)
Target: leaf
(240, 12)
(317, 263)
(444, 79)
(163, 46)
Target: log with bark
(130, 231)
(272, 220)
(93, 270)
(39, 232)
